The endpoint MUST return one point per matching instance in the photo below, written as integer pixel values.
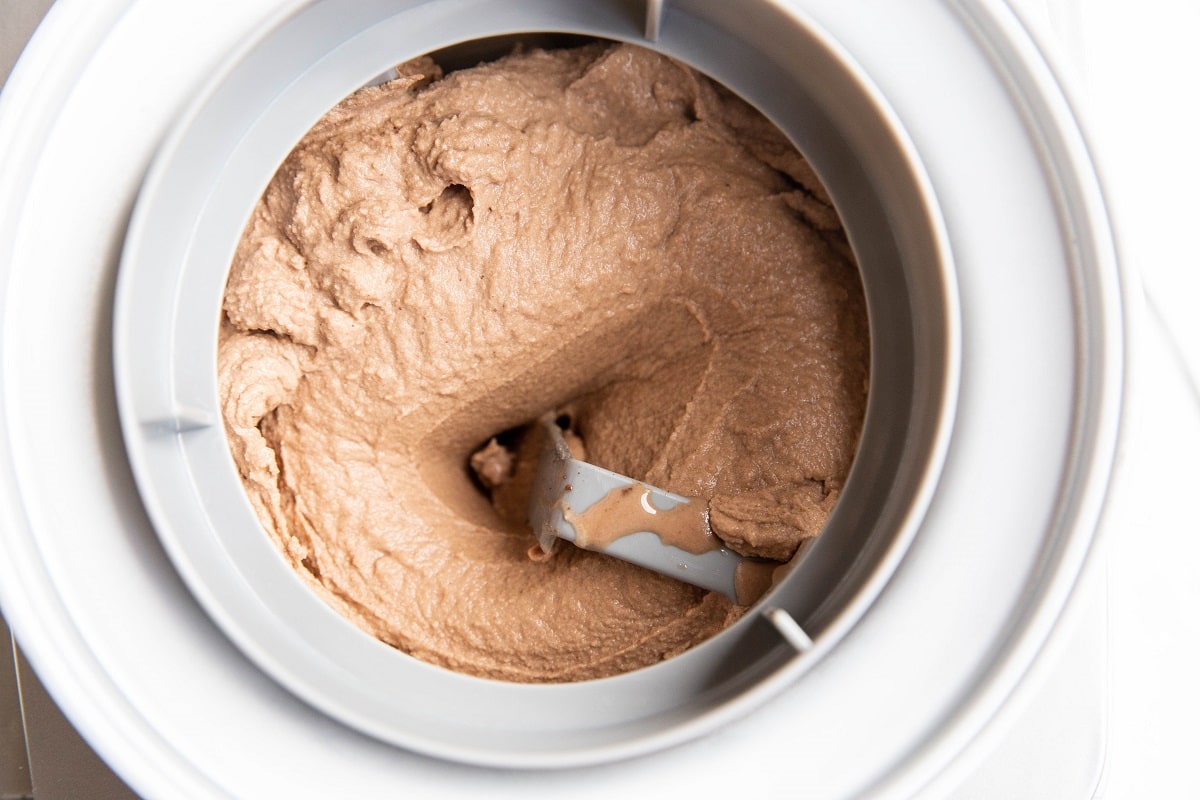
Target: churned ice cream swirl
(445, 258)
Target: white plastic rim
(124, 649)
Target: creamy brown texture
(752, 579)
(444, 259)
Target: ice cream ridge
(597, 232)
